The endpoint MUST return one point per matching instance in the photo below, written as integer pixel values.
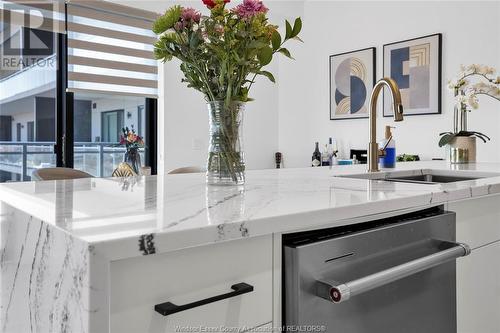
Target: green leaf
(289, 30)
(265, 55)
(482, 134)
(267, 74)
(194, 41)
(256, 44)
(285, 52)
(297, 27)
(167, 21)
(446, 139)
(298, 38)
(276, 40)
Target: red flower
(211, 3)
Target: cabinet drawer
(478, 291)
(478, 220)
(191, 275)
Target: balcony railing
(97, 158)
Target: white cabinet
(478, 220)
(190, 275)
(478, 291)
(478, 275)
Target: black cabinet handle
(169, 308)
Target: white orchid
(466, 92)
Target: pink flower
(250, 8)
(190, 15)
(179, 26)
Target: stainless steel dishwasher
(390, 275)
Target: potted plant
(472, 82)
(221, 55)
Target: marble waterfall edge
(44, 277)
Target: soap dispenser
(389, 146)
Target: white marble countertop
(177, 211)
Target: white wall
(471, 34)
(185, 121)
(183, 114)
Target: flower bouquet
(221, 55)
(132, 143)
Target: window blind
(45, 15)
(110, 49)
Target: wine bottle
(316, 157)
(278, 158)
(332, 151)
(325, 158)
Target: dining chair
(188, 169)
(58, 174)
(124, 170)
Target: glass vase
(225, 163)
(133, 158)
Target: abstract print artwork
(415, 65)
(352, 76)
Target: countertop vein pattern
(44, 278)
(123, 218)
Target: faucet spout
(397, 107)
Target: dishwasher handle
(338, 292)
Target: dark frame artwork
(345, 64)
(416, 65)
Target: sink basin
(429, 178)
(424, 176)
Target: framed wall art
(415, 65)
(352, 76)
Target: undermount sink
(424, 176)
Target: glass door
(62, 102)
(111, 125)
(28, 103)
(98, 122)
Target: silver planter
(462, 149)
(226, 163)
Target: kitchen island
(96, 255)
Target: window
(140, 120)
(96, 149)
(28, 73)
(108, 50)
(111, 126)
(31, 131)
(18, 132)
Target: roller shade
(35, 14)
(110, 49)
